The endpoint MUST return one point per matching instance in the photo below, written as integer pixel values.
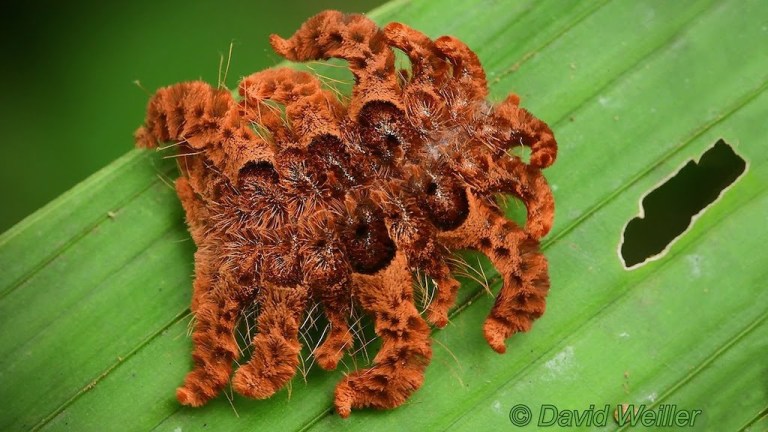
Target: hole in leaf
(670, 209)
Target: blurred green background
(69, 101)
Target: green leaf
(94, 287)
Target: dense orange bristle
(295, 199)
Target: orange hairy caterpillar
(337, 204)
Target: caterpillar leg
(526, 282)
(425, 106)
(398, 368)
(510, 175)
(215, 350)
(517, 257)
(467, 70)
(311, 111)
(196, 215)
(354, 38)
(213, 142)
(445, 297)
(525, 129)
(276, 347)
(337, 305)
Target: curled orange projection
(337, 204)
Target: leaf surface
(95, 287)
